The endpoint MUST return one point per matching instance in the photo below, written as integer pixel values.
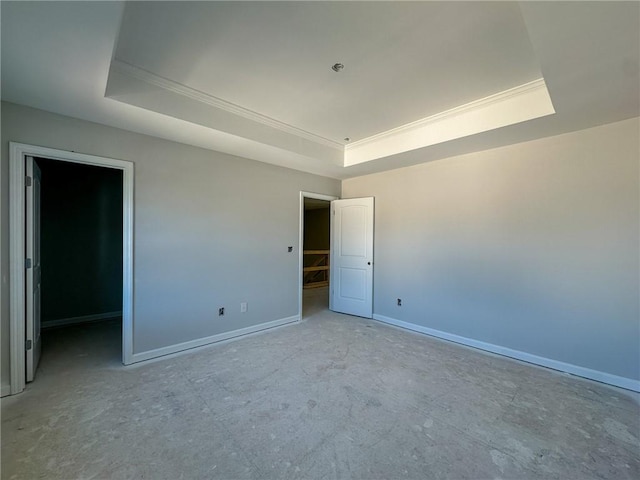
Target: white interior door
(33, 272)
(351, 288)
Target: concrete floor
(331, 397)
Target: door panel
(353, 282)
(353, 227)
(352, 256)
(33, 274)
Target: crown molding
(202, 97)
(524, 102)
(467, 107)
(518, 104)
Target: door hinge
(27, 263)
(27, 345)
(27, 181)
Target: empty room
(375, 240)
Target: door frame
(17, 235)
(303, 195)
(33, 239)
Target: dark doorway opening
(316, 245)
(81, 257)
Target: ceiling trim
(180, 89)
(524, 102)
(518, 104)
(498, 97)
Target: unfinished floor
(331, 397)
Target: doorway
(348, 284)
(315, 241)
(118, 302)
(81, 258)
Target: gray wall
(210, 229)
(81, 240)
(533, 247)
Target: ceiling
(421, 80)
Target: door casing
(17, 211)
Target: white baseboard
(5, 390)
(622, 382)
(96, 317)
(160, 352)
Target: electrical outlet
(243, 307)
(399, 302)
(221, 311)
